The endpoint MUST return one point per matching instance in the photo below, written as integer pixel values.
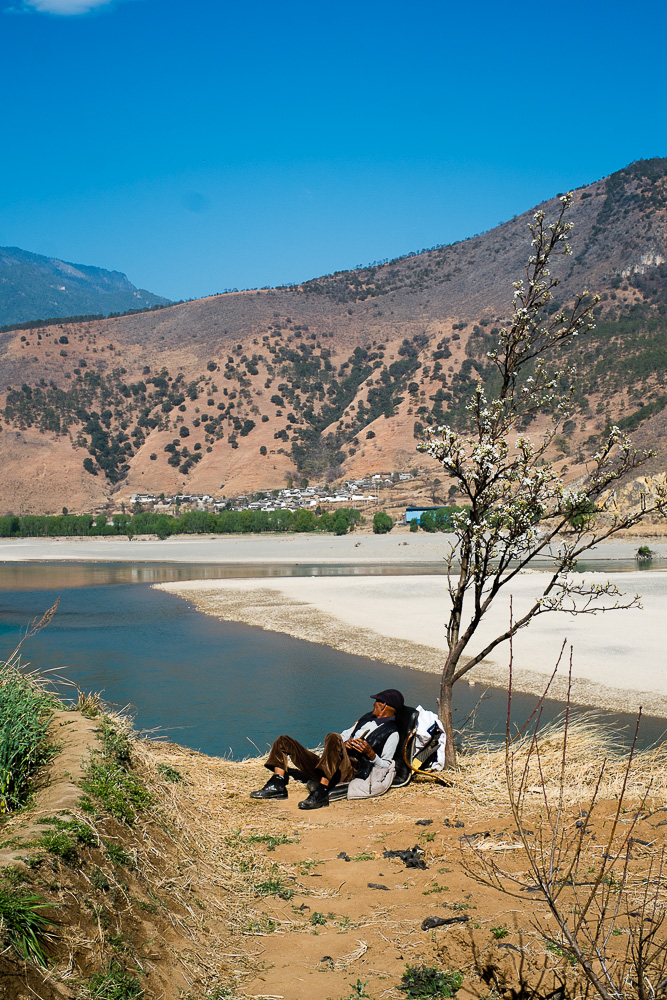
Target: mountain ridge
(34, 287)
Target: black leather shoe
(316, 799)
(275, 788)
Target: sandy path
(59, 793)
(619, 657)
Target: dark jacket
(376, 741)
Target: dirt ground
(352, 919)
(218, 895)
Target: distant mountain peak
(35, 287)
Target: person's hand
(362, 747)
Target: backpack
(430, 740)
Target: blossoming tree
(517, 505)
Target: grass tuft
(115, 738)
(23, 924)
(114, 983)
(169, 773)
(109, 778)
(25, 714)
(274, 886)
(65, 839)
(120, 792)
(82, 833)
(90, 705)
(61, 845)
(426, 981)
(118, 855)
(272, 840)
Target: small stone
(343, 856)
(378, 885)
(426, 822)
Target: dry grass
(214, 828)
(481, 774)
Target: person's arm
(385, 759)
(345, 735)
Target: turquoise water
(219, 687)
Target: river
(215, 686)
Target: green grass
(75, 828)
(435, 888)
(98, 880)
(499, 933)
(358, 990)
(120, 792)
(147, 906)
(109, 779)
(274, 886)
(116, 742)
(169, 773)
(23, 924)
(114, 983)
(271, 840)
(263, 926)
(556, 949)
(426, 981)
(118, 855)
(25, 714)
(61, 845)
(65, 839)
(87, 805)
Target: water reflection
(57, 575)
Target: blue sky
(199, 145)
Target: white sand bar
(619, 659)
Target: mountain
(337, 376)
(34, 287)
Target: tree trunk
(445, 713)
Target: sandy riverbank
(401, 546)
(618, 661)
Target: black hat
(390, 697)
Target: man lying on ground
(362, 755)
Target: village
(367, 491)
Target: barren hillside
(334, 377)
